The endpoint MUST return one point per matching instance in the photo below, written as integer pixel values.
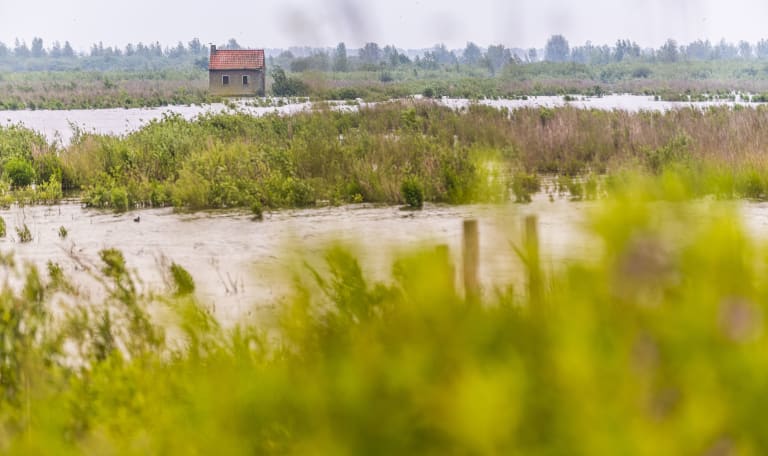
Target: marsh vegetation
(392, 153)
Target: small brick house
(236, 72)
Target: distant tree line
(37, 56)
(62, 56)
(558, 50)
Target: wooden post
(471, 253)
(533, 260)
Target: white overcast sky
(404, 23)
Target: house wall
(255, 87)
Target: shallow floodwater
(244, 268)
(57, 125)
(241, 266)
(631, 103)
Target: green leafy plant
(24, 234)
(19, 171)
(412, 192)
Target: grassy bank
(653, 345)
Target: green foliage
(257, 210)
(63, 232)
(2, 228)
(524, 185)
(591, 187)
(118, 199)
(572, 187)
(284, 86)
(19, 142)
(19, 171)
(676, 152)
(24, 234)
(412, 192)
(214, 161)
(231, 160)
(183, 282)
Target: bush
(412, 192)
(524, 186)
(19, 171)
(257, 211)
(118, 199)
(283, 86)
(183, 282)
(24, 234)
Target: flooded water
(57, 125)
(243, 268)
(632, 103)
(240, 265)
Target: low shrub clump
(413, 192)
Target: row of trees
(494, 57)
(38, 50)
(558, 50)
(371, 57)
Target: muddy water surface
(239, 264)
(243, 268)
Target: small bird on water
(137, 219)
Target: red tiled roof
(240, 59)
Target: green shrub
(183, 282)
(2, 228)
(591, 187)
(412, 192)
(19, 171)
(24, 234)
(524, 186)
(283, 86)
(118, 199)
(257, 211)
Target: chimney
(213, 49)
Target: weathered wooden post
(533, 260)
(471, 253)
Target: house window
(245, 80)
(225, 80)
